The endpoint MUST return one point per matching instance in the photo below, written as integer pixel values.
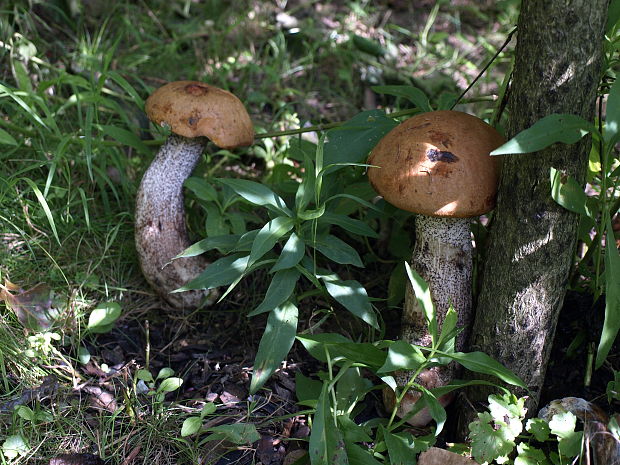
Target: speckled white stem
(161, 232)
(443, 257)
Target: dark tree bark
(532, 239)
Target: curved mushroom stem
(442, 256)
(161, 232)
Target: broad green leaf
(554, 128)
(165, 372)
(237, 433)
(307, 389)
(539, 428)
(570, 441)
(307, 215)
(529, 455)
(349, 224)
(488, 441)
(438, 413)
(352, 295)
(423, 296)
(215, 224)
(305, 191)
(326, 445)
(568, 193)
(613, 15)
(400, 446)
(275, 344)
(358, 455)
(352, 141)
(292, 253)
(413, 94)
(219, 273)
(611, 325)
(339, 346)
(223, 244)
(6, 138)
(257, 194)
(612, 117)
(337, 250)
(201, 188)
(372, 47)
(449, 331)
(350, 429)
(191, 426)
(279, 290)
(269, 235)
(125, 137)
(103, 316)
(351, 389)
(245, 242)
(170, 385)
(14, 446)
(480, 362)
(402, 356)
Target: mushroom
(194, 111)
(437, 165)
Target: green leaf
(125, 137)
(307, 389)
(6, 138)
(144, 375)
(257, 194)
(438, 413)
(529, 455)
(237, 433)
(45, 206)
(488, 440)
(352, 141)
(292, 253)
(326, 445)
(413, 94)
(358, 455)
(279, 290)
(307, 215)
(612, 117)
(563, 426)
(372, 47)
(423, 296)
(201, 189)
(275, 344)
(103, 316)
(402, 356)
(352, 295)
(165, 372)
(351, 389)
(339, 346)
(191, 426)
(613, 15)
(539, 428)
(611, 325)
(14, 446)
(224, 244)
(170, 384)
(349, 224)
(568, 193)
(401, 447)
(268, 236)
(545, 132)
(219, 273)
(215, 224)
(337, 250)
(480, 362)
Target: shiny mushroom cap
(438, 164)
(194, 109)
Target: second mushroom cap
(438, 164)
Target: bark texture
(532, 239)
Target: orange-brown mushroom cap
(194, 109)
(438, 164)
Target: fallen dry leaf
(34, 308)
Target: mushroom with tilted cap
(195, 112)
(437, 165)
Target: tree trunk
(532, 239)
